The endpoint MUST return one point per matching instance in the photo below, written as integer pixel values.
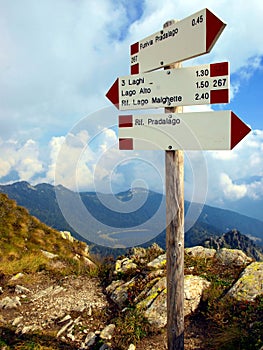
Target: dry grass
(28, 263)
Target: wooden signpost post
(176, 131)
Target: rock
(120, 294)
(64, 328)
(10, 303)
(71, 336)
(17, 276)
(155, 302)
(20, 289)
(17, 320)
(131, 347)
(30, 328)
(85, 251)
(233, 257)
(110, 289)
(76, 257)
(154, 274)
(107, 332)
(48, 254)
(249, 285)
(52, 290)
(90, 339)
(158, 263)
(89, 263)
(201, 252)
(157, 288)
(77, 320)
(124, 265)
(64, 319)
(193, 290)
(1, 290)
(67, 235)
(156, 313)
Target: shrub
(131, 327)
(236, 324)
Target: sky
(59, 58)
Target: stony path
(69, 309)
(72, 309)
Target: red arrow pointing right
(238, 130)
(113, 93)
(214, 27)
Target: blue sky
(59, 58)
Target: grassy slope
(22, 237)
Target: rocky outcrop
(74, 306)
(235, 240)
(148, 293)
(250, 283)
(233, 257)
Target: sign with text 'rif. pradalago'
(221, 130)
(204, 84)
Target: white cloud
(231, 190)
(230, 172)
(23, 159)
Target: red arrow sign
(190, 37)
(238, 130)
(221, 130)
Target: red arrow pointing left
(113, 93)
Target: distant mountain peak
(233, 239)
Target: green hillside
(22, 237)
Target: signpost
(204, 84)
(221, 130)
(188, 38)
(175, 131)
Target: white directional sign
(190, 37)
(220, 130)
(205, 84)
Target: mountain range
(133, 217)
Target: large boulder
(200, 252)
(249, 285)
(193, 290)
(155, 301)
(233, 257)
